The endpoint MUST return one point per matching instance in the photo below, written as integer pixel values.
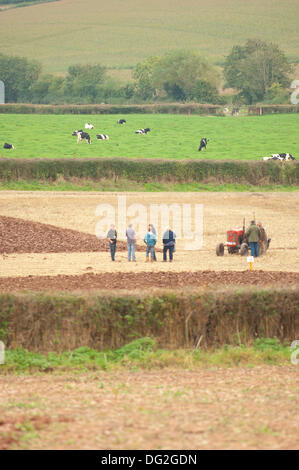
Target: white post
(2, 92)
(250, 260)
(2, 352)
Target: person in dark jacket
(112, 238)
(168, 244)
(253, 234)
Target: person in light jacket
(150, 239)
(131, 240)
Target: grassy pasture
(118, 33)
(171, 136)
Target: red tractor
(237, 242)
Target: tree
(180, 73)
(254, 68)
(83, 81)
(205, 92)
(143, 74)
(18, 75)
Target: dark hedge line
(166, 108)
(147, 171)
(15, 108)
(57, 322)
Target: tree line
(257, 71)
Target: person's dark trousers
(112, 250)
(254, 248)
(165, 248)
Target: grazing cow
(121, 121)
(88, 126)
(102, 137)
(8, 146)
(235, 112)
(203, 144)
(143, 131)
(82, 136)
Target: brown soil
(237, 408)
(23, 236)
(144, 280)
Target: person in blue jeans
(112, 238)
(150, 239)
(168, 244)
(152, 229)
(253, 234)
(131, 240)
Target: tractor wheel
(220, 249)
(244, 249)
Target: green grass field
(121, 34)
(171, 136)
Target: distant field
(118, 33)
(171, 136)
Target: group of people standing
(150, 239)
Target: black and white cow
(121, 121)
(89, 126)
(283, 157)
(102, 137)
(203, 144)
(82, 136)
(143, 131)
(8, 146)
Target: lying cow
(8, 146)
(88, 126)
(121, 121)
(102, 137)
(82, 136)
(203, 144)
(283, 157)
(143, 131)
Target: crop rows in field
(121, 34)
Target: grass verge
(126, 185)
(144, 354)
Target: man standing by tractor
(253, 234)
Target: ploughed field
(171, 136)
(48, 241)
(236, 408)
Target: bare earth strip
(238, 408)
(146, 280)
(279, 213)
